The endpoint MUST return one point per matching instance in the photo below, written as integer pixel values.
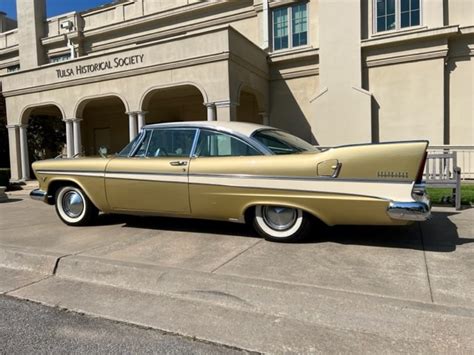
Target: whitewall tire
(74, 207)
(280, 223)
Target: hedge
(4, 176)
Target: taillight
(419, 176)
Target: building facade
(330, 71)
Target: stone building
(330, 71)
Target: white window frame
(398, 19)
(289, 14)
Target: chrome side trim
(73, 173)
(230, 176)
(418, 210)
(39, 195)
(174, 178)
(381, 143)
(304, 178)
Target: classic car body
(237, 172)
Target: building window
(60, 58)
(397, 14)
(13, 68)
(290, 26)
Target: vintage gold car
(241, 172)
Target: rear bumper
(39, 195)
(417, 210)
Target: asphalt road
(27, 328)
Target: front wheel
(74, 207)
(281, 224)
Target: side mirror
(103, 152)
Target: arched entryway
(171, 104)
(103, 123)
(248, 110)
(251, 105)
(42, 135)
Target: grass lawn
(437, 195)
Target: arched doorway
(179, 103)
(104, 124)
(42, 136)
(248, 110)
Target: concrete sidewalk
(349, 289)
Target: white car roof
(244, 128)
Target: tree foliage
(4, 151)
(46, 137)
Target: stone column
(265, 118)
(76, 122)
(32, 26)
(25, 161)
(211, 111)
(132, 125)
(342, 109)
(141, 119)
(226, 111)
(15, 157)
(69, 137)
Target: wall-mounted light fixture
(67, 25)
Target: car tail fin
(419, 176)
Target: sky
(55, 7)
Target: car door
(155, 178)
(214, 170)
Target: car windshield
(280, 142)
(125, 152)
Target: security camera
(67, 25)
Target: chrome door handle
(178, 163)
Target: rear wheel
(74, 207)
(281, 224)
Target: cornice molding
(397, 59)
(422, 34)
(47, 41)
(8, 50)
(295, 54)
(145, 38)
(132, 72)
(13, 62)
(295, 74)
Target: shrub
(4, 176)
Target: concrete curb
(39, 261)
(254, 314)
(359, 312)
(249, 313)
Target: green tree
(4, 151)
(46, 137)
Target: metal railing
(465, 157)
(464, 154)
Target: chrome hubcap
(73, 204)
(279, 218)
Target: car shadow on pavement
(439, 234)
(10, 200)
(197, 226)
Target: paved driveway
(349, 279)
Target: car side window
(170, 142)
(218, 144)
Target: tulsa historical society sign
(116, 62)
